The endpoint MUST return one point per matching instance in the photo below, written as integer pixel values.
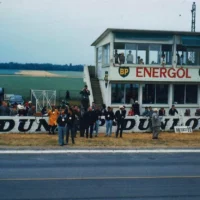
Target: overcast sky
(61, 31)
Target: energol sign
(162, 72)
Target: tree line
(41, 66)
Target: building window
(185, 94)
(124, 93)
(154, 54)
(142, 54)
(106, 54)
(166, 54)
(130, 53)
(131, 93)
(188, 55)
(155, 93)
(118, 93)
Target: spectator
(13, 111)
(31, 111)
(150, 111)
(44, 111)
(136, 108)
(187, 112)
(156, 124)
(61, 121)
(131, 112)
(53, 116)
(90, 121)
(21, 110)
(129, 58)
(121, 58)
(97, 112)
(77, 114)
(85, 97)
(119, 117)
(161, 112)
(197, 113)
(103, 109)
(4, 109)
(116, 56)
(62, 105)
(172, 111)
(146, 112)
(93, 106)
(70, 125)
(67, 96)
(109, 117)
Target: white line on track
(93, 151)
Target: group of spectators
(27, 109)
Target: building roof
(117, 30)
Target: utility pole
(193, 17)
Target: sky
(62, 31)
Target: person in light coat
(156, 124)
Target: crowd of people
(27, 109)
(68, 119)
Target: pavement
(100, 176)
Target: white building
(158, 69)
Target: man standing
(156, 124)
(119, 117)
(70, 125)
(109, 116)
(97, 112)
(89, 121)
(85, 97)
(62, 121)
(129, 58)
(172, 111)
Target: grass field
(136, 140)
(24, 84)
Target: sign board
(183, 129)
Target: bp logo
(124, 71)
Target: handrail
(86, 79)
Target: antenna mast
(193, 17)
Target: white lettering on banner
(162, 72)
(131, 124)
(183, 129)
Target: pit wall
(132, 124)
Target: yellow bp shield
(124, 71)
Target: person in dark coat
(136, 108)
(103, 109)
(70, 125)
(173, 110)
(85, 93)
(61, 121)
(89, 121)
(119, 117)
(98, 114)
(161, 112)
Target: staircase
(96, 90)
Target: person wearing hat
(156, 123)
(85, 93)
(136, 108)
(119, 117)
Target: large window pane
(154, 54)
(179, 93)
(130, 53)
(142, 54)
(167, 54)
(131, 93)
(191, 93)
(162, 93)
(148, 93)
(117, 93)
(106, 54)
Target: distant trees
(37, 66)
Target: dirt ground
(129, 140)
